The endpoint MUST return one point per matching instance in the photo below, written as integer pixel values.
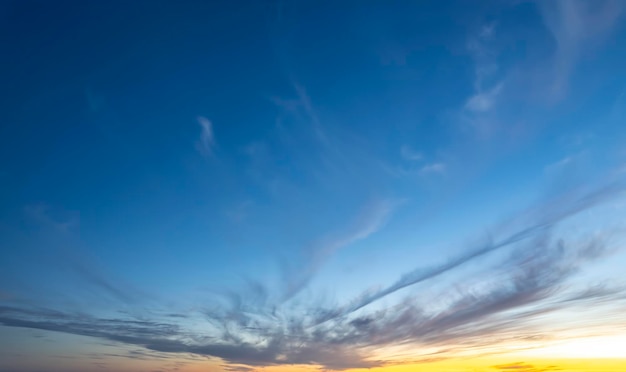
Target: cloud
(414, 166)
(541, 224)
(524, 367)
(532, 262)
(559, 165)
(480, 107)
(528, 264)
(433, 168)
(311, 113)
(479, 46)
(483, 101)
(302, 108)
(303, 141)
(206, 144)
(495, 308)
(370, 219)
(168, 338)
(577, 27)
(409, 154)
(239, 211)
(63, 250)
(238, 369)
(52, 218)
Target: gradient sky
(312, 185)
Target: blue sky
(263, 183)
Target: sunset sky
(277, 186)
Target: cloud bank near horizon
(533, 263)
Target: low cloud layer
(501, 303)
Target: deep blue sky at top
(383, 128)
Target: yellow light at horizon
(585, 348)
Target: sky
(238, 186)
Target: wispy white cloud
(240, 211)
(60, 231)
(302, 131)
(542, 219)
(567, 163)
(370, 219)
(484, 101)
(577, 26)
(433, 168)
(481, 106)
(311, 113)
(206, 144)
(409, 154)
(484, 56)
(558, 165)
(302, 107)
(56, 219)
(415, 170)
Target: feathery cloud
(371, 219)
(481, 106)
(433, 168)
(206, 144)
(409, 154)
(577, 27)
(483, 101)
(523, 367)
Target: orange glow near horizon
(591, 354)
(499, 364)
